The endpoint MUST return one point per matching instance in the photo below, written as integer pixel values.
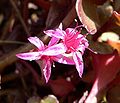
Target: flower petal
(77, 56)
(83, 44)
(37, 42)
(53, 41)
(47, 70)
(58, 33)
(55, 50)
(63, 59)
(29, 56)
(60, 26)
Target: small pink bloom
(74, 42)
(45, 53)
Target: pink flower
(74, 42)
(46, 53)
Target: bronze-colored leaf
(113, 95)
(86, 11)
(98, 2)
(113, 24)
(115, 45)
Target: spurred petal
(37, 42)
(55, 50)
(70, 32)
(63, 59)
(60, 26)
(53, 41)
(29, 56)
(47, 69)
(58, 33)
(77, 56)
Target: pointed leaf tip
(86, 11)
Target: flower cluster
(65, 47)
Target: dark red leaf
(61, 87)
(45, 4)
(106, 66)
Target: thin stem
(11, 42)
(20, 17)
(6, 27)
